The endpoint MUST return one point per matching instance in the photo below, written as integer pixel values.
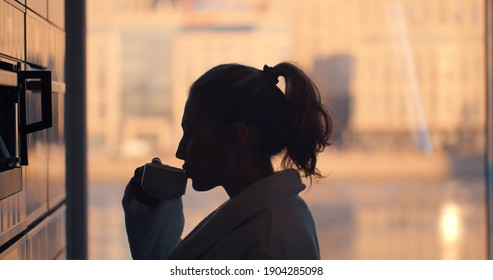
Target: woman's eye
(187, 133)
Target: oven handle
(46, 110)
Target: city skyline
(401, 74)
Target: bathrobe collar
(259, 196)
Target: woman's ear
(239, 136)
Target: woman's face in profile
(202, 147)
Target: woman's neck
(245, 177)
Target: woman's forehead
(195, 114)
(191, 109)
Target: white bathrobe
(268, 220)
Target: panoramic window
(404, 79)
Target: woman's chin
(197, 186)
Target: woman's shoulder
(290, 215)
(283, 231)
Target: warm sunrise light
(450, 223)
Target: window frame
(489, 124)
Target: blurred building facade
(405, 74)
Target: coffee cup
(163, 181)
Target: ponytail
(309, 123)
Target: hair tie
(271, 74)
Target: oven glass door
(10, 175)
(12, 198)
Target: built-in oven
(12, 199)
(10, 172)
(25, 108)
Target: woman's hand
(134, 191)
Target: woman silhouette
(236, 120)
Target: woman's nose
(180, 151)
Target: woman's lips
(186, 171)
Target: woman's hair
(294, 123)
